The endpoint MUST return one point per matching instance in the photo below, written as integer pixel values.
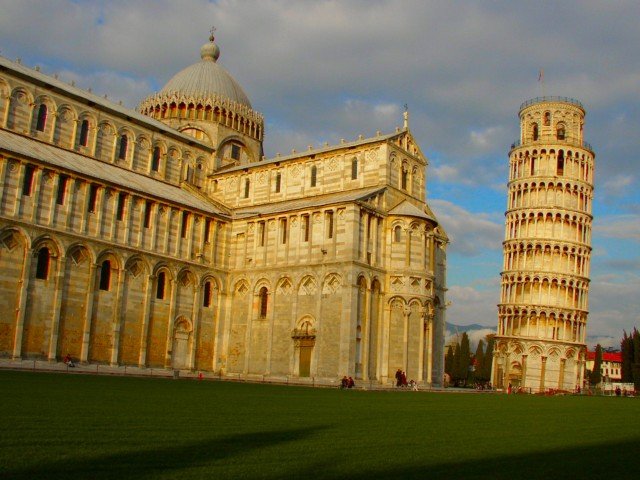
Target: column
(168, 359)
(196, 316)
(23, 285)
(55, 321)
(543, 371)
(86, 331)
(145, 321)
(118, 317)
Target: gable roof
(309, 202)
(407, 209)
(83, 96)
(41, 152)
(307, 153)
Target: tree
(479, 362)
(626, 347)
(635, 368)
(596, 376)
(462, 359)
(488, 358)
(448, 362)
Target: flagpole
(541, 81)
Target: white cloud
(470, 304)
(470, 233)
(620, 226)
(485, 139)
(617, 185)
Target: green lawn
(69, 426)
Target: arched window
(560, 132)
(247, 186)
(161, 285)
(533, 165)
(206, 297)
(397, 234)
(534, 131)
(263, 295)
(185, 225)
(329, 224)
(42, 118)
(404, 178)
(27, 181)
(155, 159)
(560, 166)
(278, 181)
(83, 141)
(124, 143)
(547, 119)
(354, 169)
(42, 267)
(235, 151)
(314, 175)
(105, 275)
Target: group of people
(401, 381)
(68, 361)
(484, 386)
(347, 382)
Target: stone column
(168, 359)
(56, 307)
(36, 193)
(366, 335)
(89, 299)
(23, 285)
(543, 371)
(421, 344)
(118, 317)
(197, 318)
(561, 375)
(384, 357)
(145, 320)
(406, 311)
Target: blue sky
(322, 71)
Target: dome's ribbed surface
(205, 79)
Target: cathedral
(163, 238)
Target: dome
(206, 79)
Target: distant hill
(475, 332)
(466, 328)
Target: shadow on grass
(222, 458)
(147, 464)
(608, 460)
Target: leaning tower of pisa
(542, 315)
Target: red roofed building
(611, 367)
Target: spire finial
(210, 51)
(406, 116)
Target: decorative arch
(19, 109)
(332, 284)
(308, 285)
(65, 121)
(284, 286)
(241, 287)
(136, 265)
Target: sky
(325, 70)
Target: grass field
(68, 427)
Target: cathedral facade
(542, 315)
(163, 238)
